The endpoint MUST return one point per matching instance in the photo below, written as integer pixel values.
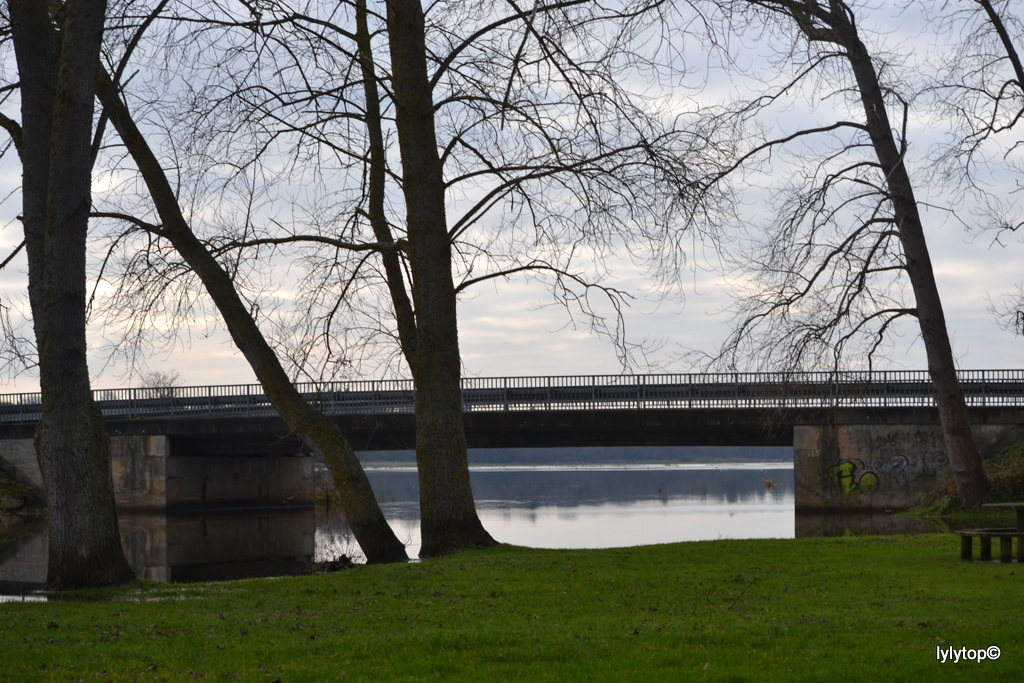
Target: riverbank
(879, 608)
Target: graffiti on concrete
(851, 478)
(901, 472)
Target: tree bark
(448, 517)
(835, 25)
(405, 319)
(56, 70)
(964, 458)
(371, 530)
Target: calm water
(608, 506)
(537, 506)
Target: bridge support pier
(147, 475)
(18, 460)
(879, 467)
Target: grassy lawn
(758, 610)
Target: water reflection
(550, 507)
(610, 506)
(183, 547)
(212, 547)
(23, 560)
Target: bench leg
(1006, 549)
(986, 548)
(967, 548)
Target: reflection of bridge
(803, 410)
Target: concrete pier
(147, 475)
(879, 467)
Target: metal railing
(589, 392)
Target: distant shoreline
(622, 457)
(698, 466)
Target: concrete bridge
(861, 439)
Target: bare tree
(850, 227)
(978, 88)
(161, 383)
(371, 530)
(57, 56)
(448, 517)
(547, 155)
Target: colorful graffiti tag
(851, 478)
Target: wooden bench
(985, 536)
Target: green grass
(756, 610)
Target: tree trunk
(56, 70)
(962, 451)
(448, 518)
(405, 319)
(370, 528)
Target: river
(544, 506)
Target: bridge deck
(883, 389)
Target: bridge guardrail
(588, 392)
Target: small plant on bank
(15, 496)
(1006, 474)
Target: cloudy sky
(512, 329)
